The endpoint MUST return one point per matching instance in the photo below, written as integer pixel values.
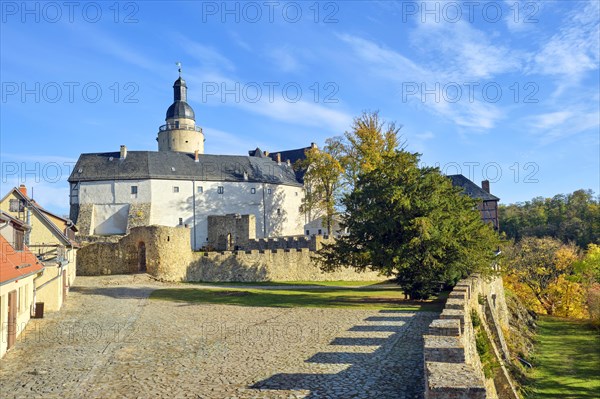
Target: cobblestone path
(110, 341)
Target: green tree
(410, 222)
(572, 217)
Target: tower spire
(179, 66)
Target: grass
(304, 283)
(314, 298)
(567, 360)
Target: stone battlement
(452, 366)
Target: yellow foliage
(568, 298)
(565, 257)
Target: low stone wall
(272, 265)
(168, 256)
(452, 366)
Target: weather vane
(179, 66)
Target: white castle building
(111, 192)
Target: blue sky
(504, 90)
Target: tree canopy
(572, 217)
(409, 222)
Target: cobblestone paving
(110, 341)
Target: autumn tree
(362, 148)
(322, 181)
(545, 269)
(409, 222)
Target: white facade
(319, 227)
(276, 207)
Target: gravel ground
(110, 341)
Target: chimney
(23, 189)
(196, 158)
(123, 152)
(485, 185)
(289, 163)
(313, 145)
(266, 153)
(278, 158)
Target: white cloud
(556, 126)
(284, 59)
(425, 136)
(221, 142)
(115, 47)
(303, 112)
(205, 55)
(399, 69)
(460, 50)
(572, 51)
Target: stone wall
(139, 215)
(168, 257)
(269, 265)
(452, 366)
(83, 218)
(228, 232)
(162, 248)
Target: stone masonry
(168, 257)
(452, 365)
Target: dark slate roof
(471, 189)
(180, 166)
(180, 109)
(291, 155)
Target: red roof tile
(10, 259)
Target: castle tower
(180, 133)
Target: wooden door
(12, 319)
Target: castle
(180, 185)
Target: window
(220, 190)
(175, 189)
(134, 191)
(19, 240)
(278, 211)
(252, 190)
(200, 189)
(15, 205)
(269, 191)
(307, 232)
(180, 221)
(320, 232)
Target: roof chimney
(196, 158)
(278, 158)
(485, 185)
(289, 163)
(123, 154)
(313, 145)
(266, 153)
(23, 189)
